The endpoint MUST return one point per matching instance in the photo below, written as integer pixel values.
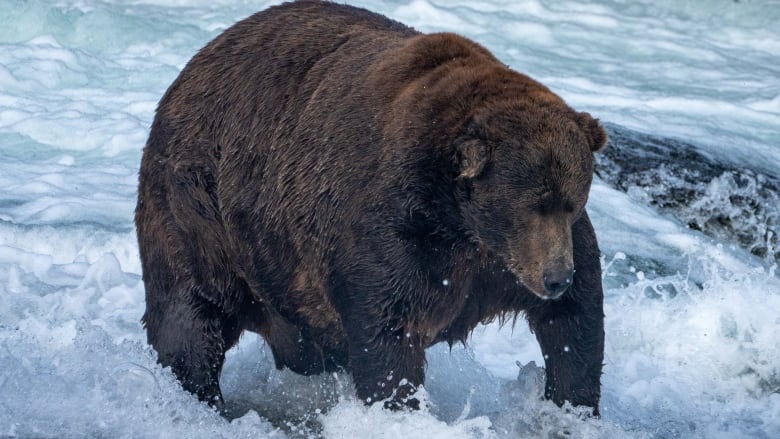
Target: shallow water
(691, 348)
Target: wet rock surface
(737, 205)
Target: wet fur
(309, 176)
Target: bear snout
(546, 281)
(557, 281)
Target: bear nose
(556, 282)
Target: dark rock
(730, 203)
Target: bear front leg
(572, 344)
(386, 364)
(385, 301)
(570, 330)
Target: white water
(692, 347)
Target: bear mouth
(552, 295)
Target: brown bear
(355, 192)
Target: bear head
(525, 171)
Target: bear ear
(471, 151)
(472, 157)
(597, 137)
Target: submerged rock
(734, 204)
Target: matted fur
(356, 191)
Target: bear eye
(550, 202)
(546, 202)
